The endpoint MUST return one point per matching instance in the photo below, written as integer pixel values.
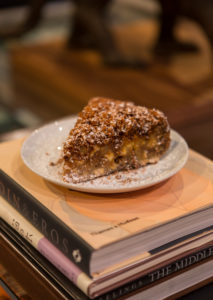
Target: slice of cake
(112, 135)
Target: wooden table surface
(54, 81)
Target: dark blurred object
(31, 20)
(90, 26)
(15, 3)
(12, 3)
(8, 120)
(200, 11)
(15, 123)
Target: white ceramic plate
(44, 145)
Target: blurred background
(56, 55)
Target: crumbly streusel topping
(104, 120)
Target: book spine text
(160, 273)
(62, 237)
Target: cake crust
(112, 135)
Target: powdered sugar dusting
(105, 120)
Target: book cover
(142, 267)
(82, 224)
(41, 278)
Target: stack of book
(135, 245)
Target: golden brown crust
(110, 125)
(105, 120)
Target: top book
(99, 230)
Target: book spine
(153, 277)
(60, 235)
(39, 242)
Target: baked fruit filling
(112, 135)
